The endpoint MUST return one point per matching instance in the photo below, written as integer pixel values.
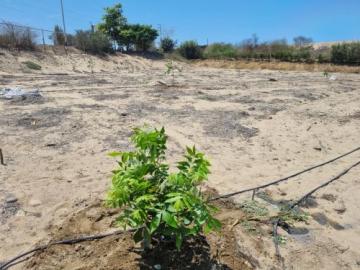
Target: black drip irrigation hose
(12, 261)
(299, 201)
(224, 196)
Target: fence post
(43, 39)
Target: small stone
(20, 213)
(34, 202)
(123, 114)
(340, 207)
(329, 197)
(50, 144)
(11, 199)
(62, 212)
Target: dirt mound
(51, 61)
(215, 251)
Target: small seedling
(254, 209)
(280, 239)
(171, 68)
(290, 216)
(250, 227)
(155, 201)
(91, 64)
(326, 74)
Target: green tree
(113, 22)
(58, 36)
(156, 202)
(167, 44)
(145, 35)
(137, 36)
(346, 53)
(301, 41)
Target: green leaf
(114, 154)
(171, 209)
(179, 205)
(207, 228)
(173, 199)
(146, 198)
(139, 235)
(169, 219)
(213, 224)
(155, 222)
(147, 238)
(179, 240)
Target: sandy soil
(215, 251)
(253, 130)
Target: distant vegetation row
(300, 52)
(114, 33)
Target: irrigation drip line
(12, 261)
(299, 201)
(224, 196)
(296, 203)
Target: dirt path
(252, 129)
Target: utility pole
(63, 20)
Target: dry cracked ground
(255, 126)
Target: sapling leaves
(156, 201)
(155, 222)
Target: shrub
(220, 51)
(346, 53)
(93, 42)
(323, 56)
(155, 201)
(190, 50)
(32, 65)
(16, 37)
(58, 36)
(167, 44)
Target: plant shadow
(195, 253)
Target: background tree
(145, 35)
(113, 22)
(137, 36)
(167, 44)
(190, 50)
(92, 42)
(301, 41)
(58, 36)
